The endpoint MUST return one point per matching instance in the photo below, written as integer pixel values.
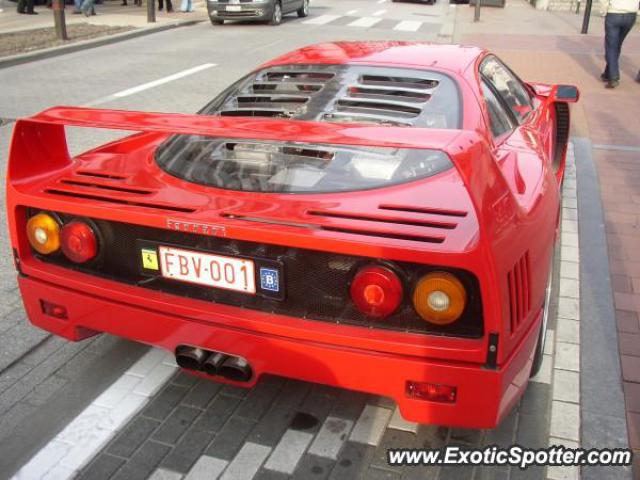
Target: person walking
(26, 7)
(87, 8)
(186, 6)
(620, 16)
(160, 5)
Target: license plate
(234, 8)
(206, 269)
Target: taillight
(43, 232)
(376, 291)
(78, 241)
(439, 298)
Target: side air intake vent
(519, 294)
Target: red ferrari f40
(375, 216)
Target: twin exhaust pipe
(214, 363)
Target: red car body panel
(505, 195)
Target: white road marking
(247, 462)
(321, 20)
(400, 423)
(381, 1)
(408, 26)
(379, 13)
(206, 468)
(288, 452)
(371, 425)
(162, 81)
(351, 12)
(331, 437)
(364, 22)
(86, 434)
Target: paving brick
(567, 356)
(545, 372)
(163, 474)
(176, 424)
(392, 439)
(154, 380)
(314, 467)
(289, 451)
(207, 468)
(492, 473)
(147, 362)
(188, 450)
(374, 473)
(293, 393)
(117, 391)
(332, 435)
(143, 462)
(627, 322)
(200, 395)
(504, 434)
(217, 413)
(102, 468)
(349, 405)
(465, 436)
(163, 404)
(266, 474)
(319, 402)
(569, 308)
(569, 288)
(630, 368)
(432, 436)
(185, 379)
(371, 425)
(272, 425)
(134, 435)
(399, 423)
(568, 330)
(258, 401)
(235, 391)
(532, 430)
(570, 270)
(247, 462)
(566, 386)
(352, 461)
(536, 399)
(627, 302)
(632, 396)
(565, 420)
(230, 438)
(531, 473)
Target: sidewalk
(112, 21)
(547, 46)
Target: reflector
(431, 391)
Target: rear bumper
(484, 396)
(259, 11)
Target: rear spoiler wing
(250, 128)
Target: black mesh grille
(316, 284)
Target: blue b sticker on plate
(269, 279)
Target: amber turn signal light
(43, 232)
(439, 298)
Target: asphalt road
(179, 71)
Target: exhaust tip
(190, 358)
(237, 369)
(212, 365)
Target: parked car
(255, 10)
(378, 216)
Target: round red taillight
(376, 291)
(78, 242)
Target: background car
(255, 10)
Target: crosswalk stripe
(321, 20)
(351, 12)
(379, 13)
(408, 26)
(365, 22)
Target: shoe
(612, 83)
(604, 77)
(22, 12)
(160, 9)
(31, 13)
(93, 14)
(77, 12)
(123, 4)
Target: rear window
(329, 93)
(259, 166)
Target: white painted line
(206, 468)
(351, 12)
(164, 474)
(371, 425)
(408, 26)
(400, 423)
(321, 20)
(380, 1)
(90, 431)
(154, 380)
(288, 452)
(379, 13)
(331, 437)
(162, 81)
(247, 462)
(364, 22)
